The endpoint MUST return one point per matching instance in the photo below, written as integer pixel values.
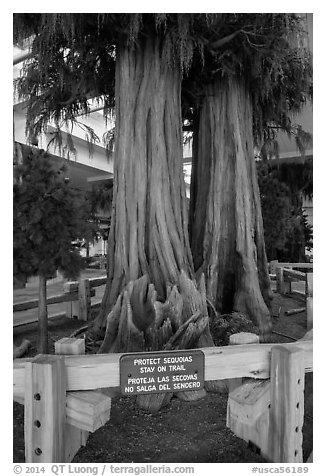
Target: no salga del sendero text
(162, 372)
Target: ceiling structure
(88, 169)
(90, 165)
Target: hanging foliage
(74, 55)
(270, 52)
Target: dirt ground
(182, 432)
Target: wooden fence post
(75, 437)
(279, 280)
(272, 266)
(84, 293)
(309, 298)
(45, 410)
(69, 346)
(72, 307)
(281, 286)
(287, 405)
(238, 339)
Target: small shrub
(227, 324)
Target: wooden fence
(76, 294)
(285, 275)
(276, 264)
(63, 398)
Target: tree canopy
(270, 52)
(242, 75)
(73, 60)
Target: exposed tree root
(139, 322)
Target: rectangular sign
(159, 372)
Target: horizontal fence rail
(285, 276)
(77, 296)
(33, 303)
(291, 275)
(89, 372)
(267, 409)
(276, 264)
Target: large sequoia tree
(151, 301)
(257, 74)
(149, 223)
(136, 63)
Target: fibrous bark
(181, 322)
(152, 301)
(227, 232)
(148, 233)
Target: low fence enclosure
(286, 275)
(76, 294)
(64, 397)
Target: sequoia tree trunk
(149, 227)
(227, 231)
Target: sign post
(159, 372)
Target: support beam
(250, 400)
(75, 438)
(248, 413)
(88, 410)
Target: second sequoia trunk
(226, 223)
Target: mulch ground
(182, 432)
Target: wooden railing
(285, 275)
(276, 264)
(54, 420)
(81, 308)
(77, 295)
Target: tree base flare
(139, 322)
(251, 304)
